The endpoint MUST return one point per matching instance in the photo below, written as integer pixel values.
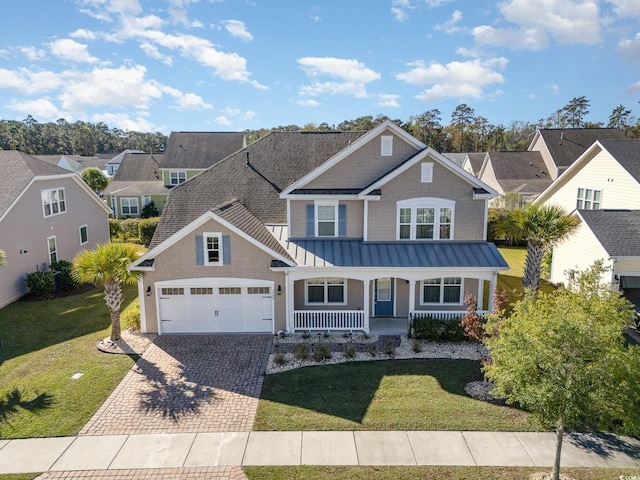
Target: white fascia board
(367, 137)
(296, 196)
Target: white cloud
(238, 29)
(553, 87)
(436, 3)
(629, 48)
(537, 22)
(39, 108)
(222, 120)
(399, 9)
(32, 53)
(308, 103)
(634, 87)
(352, 76)
(84, 34)
(68, 49)
(30, 82)
(104, 9)
(387, 100)
(238, 113)
(152, 52)
(455, 79)
(450, 26)
(626, 8)
(191, 102)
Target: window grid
(326, 220)
(446, 290)
(425, 223)
(230, 290)
(53, 249)
(588, 199)
(129, 206)
(177, 177)
(213, 248)
(53, 202)
(172, 291)
(330, 290)
(258, 290)
(201, 291)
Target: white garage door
(237, 305)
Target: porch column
(481, 294)
(289, 302)
(412, 296)
(492, 286)
(366, 284)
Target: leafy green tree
(96, 180)
(543, 226)
(108, 265)
(149, 210)
(562, 356)
(427, 127)
(576, 110)
(461, 118)
(620, 117)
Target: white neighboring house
(603, 187)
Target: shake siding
(179, 262)
(355, 297)
(468, 217)
(26, 228)
(619, 189)
(364, 166)
(566, 256)
(355, 217)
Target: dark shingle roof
(523, 172)
(276, 161)
(200, 149)
(476, 159)
(139, 167)
(627, 153)
(566, 145)
(18, 169)
(617, 230)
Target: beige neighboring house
(319, 231)
(473, 162)
(46, 213)
(603, 188)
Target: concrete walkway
(193, 450)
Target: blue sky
(223, 65)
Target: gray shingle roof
(567, 144)
(200, 149)
(627, 153)
(276, 161)
(523, 172)
(476, 159)
(617, 230)
(18, 169)
(139, 167)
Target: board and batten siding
(179, 262)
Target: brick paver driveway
(188, 383)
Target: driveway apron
(188, 383)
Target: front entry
(383, 297)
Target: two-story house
(603, 188)
(305, 231)
(46, 214)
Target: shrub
(301, 352)
(64, 269)
(130, 317)
(436, 330)
(129, 228)
(322, 352)
(389, 349)
(279, 359)
(146, 229)
(40, 283)
(472, 324)
(149, 210)
(115, 230)
(371, 349)
(416, 346)
(350, 352)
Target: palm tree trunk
(533, 265)
(559, 434)
(113, 299)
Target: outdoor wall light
(23, 251)
(279, 289)
(149, 291)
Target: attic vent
(225, 207)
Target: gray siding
(355, 216)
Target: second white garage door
(215, 306)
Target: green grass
(383, 395)
(511, 280)
(43, 344)
(427, 473)
(19, 476)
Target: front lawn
(511, 280)
(383, 395)
(44, 343)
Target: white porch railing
(328, 320)
(443, 314)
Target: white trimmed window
(386, 145)
(53, 202)
(329, 290)
(212, 243)
(53, 249)
(129, 206)
(588, 199)
(426, 172)
(446, 290)
(425, 219)
(326, 218)
(176, 177)
(84, 234)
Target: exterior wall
(469, 215)
(365, 165)
(166, 177)
(298, 212)
(159, 201)
(489, 177)
(540, 146)
(179, 262)
(25, 228)
(619, 189)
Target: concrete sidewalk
(185, 450)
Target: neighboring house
(457, 158)
(521, 172)
(473, 162)
(113, 164)
(560, 147)
(606, 179)
(137, 182)
(189, 153)
(75, 163)
(324, 231)
(46, 214)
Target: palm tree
(3, 258)
(543, 226)
(108, 265)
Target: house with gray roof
(603, 187)
(137, 183)
(319, 231)
(47, 213)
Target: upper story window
(129, 206)
(53, 202)
(327, 218)
(176, 177)
(212, 248)
(588, 199)
(386, 145)
(425, 219)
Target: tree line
(465, 132)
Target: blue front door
(384, 297)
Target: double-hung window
(176, 177)
(53, 202)
(442, 290)
(425, 219)
(212, 248)
(326, 218)
(325, 291)
(53, 249)
(588, 199)
(129, 206)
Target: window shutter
(311, 224)
(342, 220)
(226, 250)
(199, 250)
